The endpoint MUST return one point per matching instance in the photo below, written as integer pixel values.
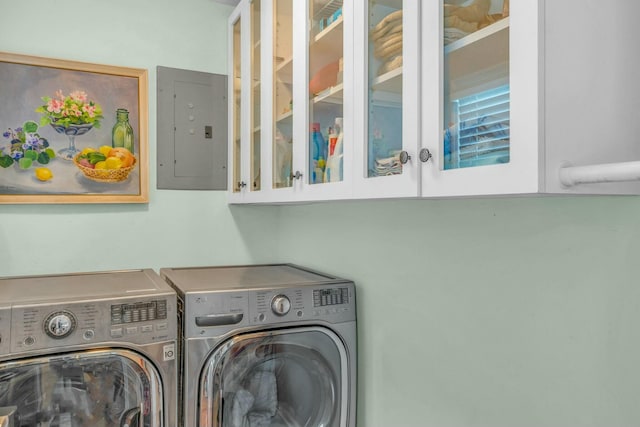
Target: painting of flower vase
(72, 132)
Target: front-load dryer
(266, 346)
(87, 350)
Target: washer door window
(110, 388)
(289, 378)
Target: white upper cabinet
(347, 99)
(514, 92)
(296, 117)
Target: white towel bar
(593, 174)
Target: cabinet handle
(404, 157)
(296, 175)
(425, 155)
(242, 184)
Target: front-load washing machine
(88, 350)
(266, 346)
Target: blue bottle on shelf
(317, 158)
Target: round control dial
(280, 305)
(60, 324)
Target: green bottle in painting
(122, 134)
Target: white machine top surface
(241, 277)
(81, 286)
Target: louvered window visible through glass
(479, 131)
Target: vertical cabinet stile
(235, 105)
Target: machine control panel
(139, 320)
(330, 296)
(333, 303)
(138, 312)
(5, 330)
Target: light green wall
(496, 312)
(176, 227)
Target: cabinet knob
(296, 175)
(242, 184)
(404, 157)
(425, 155)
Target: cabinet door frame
(407, 183)
(300, 189)
(239, 13)
(522, 174)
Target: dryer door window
(110, 388)
(290, 377)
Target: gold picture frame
(53, 113)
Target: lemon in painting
(101, 165)
(87, 151)
(105, 150)
(113, 163)
(43, 174)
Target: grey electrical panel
(192, 130)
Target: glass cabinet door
(480, 92)
(255, 95)
(390, 98)
(282, 149)
(385, 55)
(476, 97)
(326, 91)
(236, 111)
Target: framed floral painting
(72, 132)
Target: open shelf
(285, 117)
(333, 95)
(497, 29)
(331, 36)
(389, 82)
(327, 10)
(284, 70)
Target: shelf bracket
(594, 174)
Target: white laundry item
(386, 24)
(242, 403)
(258, 419)
(391, 64)
(256, 405)
(264, 388)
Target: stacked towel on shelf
(460, 21)
(388, 166)
(387, 41)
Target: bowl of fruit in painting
(106, 164)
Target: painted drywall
(176, 227)
(494, 313)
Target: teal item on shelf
(317, 159)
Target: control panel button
(280, 305)
(161, 326)
(116, 332)
(261, 317)
(29, 341)
(88, 334)
(147, 328)
(131, 330)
